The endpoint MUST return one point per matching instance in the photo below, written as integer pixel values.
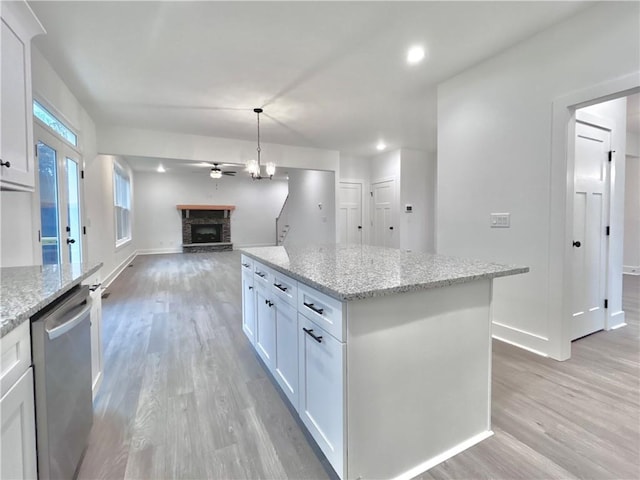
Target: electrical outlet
(500, 220)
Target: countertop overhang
(353, 272)
(25, 291)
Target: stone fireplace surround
(206, 215)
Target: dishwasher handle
(61, 329)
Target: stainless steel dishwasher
(61, 349)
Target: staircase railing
(282, 226)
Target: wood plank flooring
(184, 396)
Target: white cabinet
(248, 306)
(322, 390)
(286, 358)
(265, 325)
(17, 27)
(18, 434)
(96, 339)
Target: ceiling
(328, 74)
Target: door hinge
(39, 237)
(608, 230)
(371, 193)
(35, 150)
(611, 152)
(606, 303)
(82, 174)
(84, 230)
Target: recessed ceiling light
(381, 146)
(161, 169)
(415, 55)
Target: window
(50, 120)
(122, 204)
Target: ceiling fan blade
(229, 173)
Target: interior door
(383, 195)
(592, 146)
(350, 213)
(60, 199)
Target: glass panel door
(49, 213)
(74, 220)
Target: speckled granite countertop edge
(11, 323)
(345, 297)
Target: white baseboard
(118, 270)
(252, 245)
(157, 251)
(520, 338)
(631, 270)
(432, 462)
(616, 320)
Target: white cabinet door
(322, 398)
(18, 437)
(265, 325)
(286, 359)
(96, 339)
(17, 27)
(248, 306)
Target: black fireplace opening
(206, 233)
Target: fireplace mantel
(206, 207)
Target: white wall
(616, 112)
(17, 231)
(311, 224)
(631, 258)
(494, 155)
(158, 225)
(417, 188)
(100, 216)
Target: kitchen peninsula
(385, 354)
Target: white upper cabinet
(18, 26)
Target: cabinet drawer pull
(280, 287)
(319, 311)
(268, 302)
(250, 287)
(260, 274)
(309, 331)
(246, 265)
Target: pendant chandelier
(254, 166)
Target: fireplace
(206, 228)
(207, 233)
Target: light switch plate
(500, 220)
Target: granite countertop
(351, 272)
(27, 290)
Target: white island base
(418, 379)
(384, 354)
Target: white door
(60, 199)
(592, 146)
(350, 213)
(383, 228)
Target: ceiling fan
(216, 172)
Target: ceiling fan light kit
(253, 166)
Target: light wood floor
(184, 396)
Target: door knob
(577, 244)
(390, 228)
(71, 240)
(5, 164)
(359, 227)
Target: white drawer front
(246, 263)
(15, 355)
(262, 275)
(327, 312)
(285, 288)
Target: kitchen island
(385, 354)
